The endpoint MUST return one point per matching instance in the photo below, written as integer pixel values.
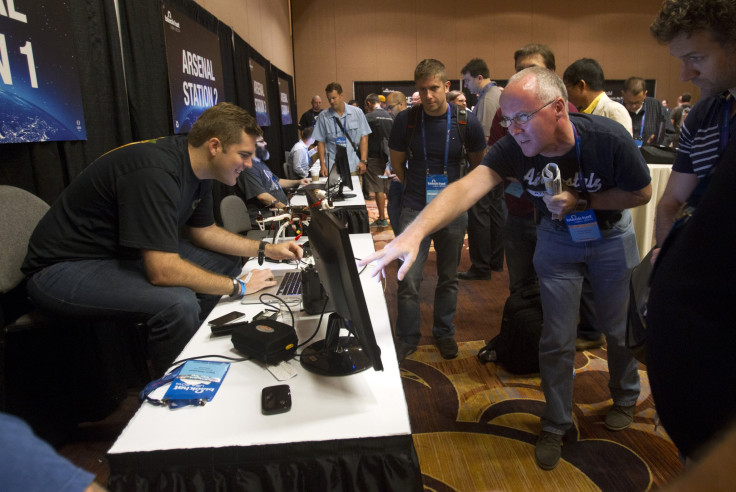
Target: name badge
(638, 142)
(341, 141)
(435, 184)
(583, 226)
(514, 189)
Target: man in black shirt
(310, 116)
(110, 245)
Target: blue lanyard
(725, 127)
(447, 140)
(641, 128)
(484, 90)
(581, 177)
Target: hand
(288, 250)
(259, 279)
(561, 204)
(404, 247)
(655, 254)
(361, 168)
(304, 181)
(650, 140)
(394, 178)
(323, 171)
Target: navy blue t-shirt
(435, 131)
(135, 197)
(610, 159)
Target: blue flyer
(197, 380)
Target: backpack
(517, 346)
(462, 129)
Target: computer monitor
(340, 355)
(337, 178)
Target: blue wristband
(242, 287)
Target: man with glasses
(599, 238)
(650, 121)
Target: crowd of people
(111, 244)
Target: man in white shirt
(299, 157)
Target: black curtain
(46, 168)
(289, 133)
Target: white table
(326, 410)
(357, 200)
(643, 217)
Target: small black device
(275, 399)
(266, 314)
(265, 340)
(219, 326)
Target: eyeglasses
(522, 118)
(391, 106)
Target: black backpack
(462, 128)
(517, 346)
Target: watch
(261, 252)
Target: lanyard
(485, 89)
(641, 128)
(581, 177)
(334, 122)
(447, 140)
(725, 127)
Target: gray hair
(549, 84)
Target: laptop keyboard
(291, 284)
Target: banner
(260, 93)
(195, 68)
(40, 98)
(285, 103)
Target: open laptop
(288, 287)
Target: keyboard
(291, 284)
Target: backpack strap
(412, 123)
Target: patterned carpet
(475, 425)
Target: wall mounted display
(40, 99)
(284, 102)
(194, 66)
(260, 92)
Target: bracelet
(236, 287)
(261, 252)
(242, 287)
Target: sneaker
(379, 223)
(472, 275)
(619, 417)
(447, 347)
(404, 350)
(548, 450)
(583, 344)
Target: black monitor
(340, 355)
(338, 177)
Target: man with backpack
(437, 138)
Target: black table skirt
(356, 217)
(369, 464)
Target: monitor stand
(335, 355)
(340, 196)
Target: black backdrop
(126, 97)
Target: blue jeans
(395, 197)
(485, 232)
(447, 244)
(117, 289)
(561, 264)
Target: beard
(262, 154)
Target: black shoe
(471, 275)
(447, 347)
(404, 350)
(548, 450)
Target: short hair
(372, 99)
(452, 95)
(429, 67)
(224, 121)
(689, 16)
(333, 86)
(475, 67)
(307, 132)
(537, 49)
(316, 96)
(686, 97)
(635, 85)
(395, 98)
(586, 69)
(549, 84)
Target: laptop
(288, 287)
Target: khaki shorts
(374, 168)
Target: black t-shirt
(255, 180)
(134, 197)
(436, 131)
(691, 318)
(610, 159)
(381, 123)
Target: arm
(322, 162)
(451, 202)
(679, 187)
(611, 199)
(397, 163)
(270, 201)
(474, 158)
(293, 183)
(363, 147)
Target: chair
(54, 372)
(235, 218)
(288, 171)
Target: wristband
(242, 287)
(261, 252)
(236, 287)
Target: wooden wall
(385, 39)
